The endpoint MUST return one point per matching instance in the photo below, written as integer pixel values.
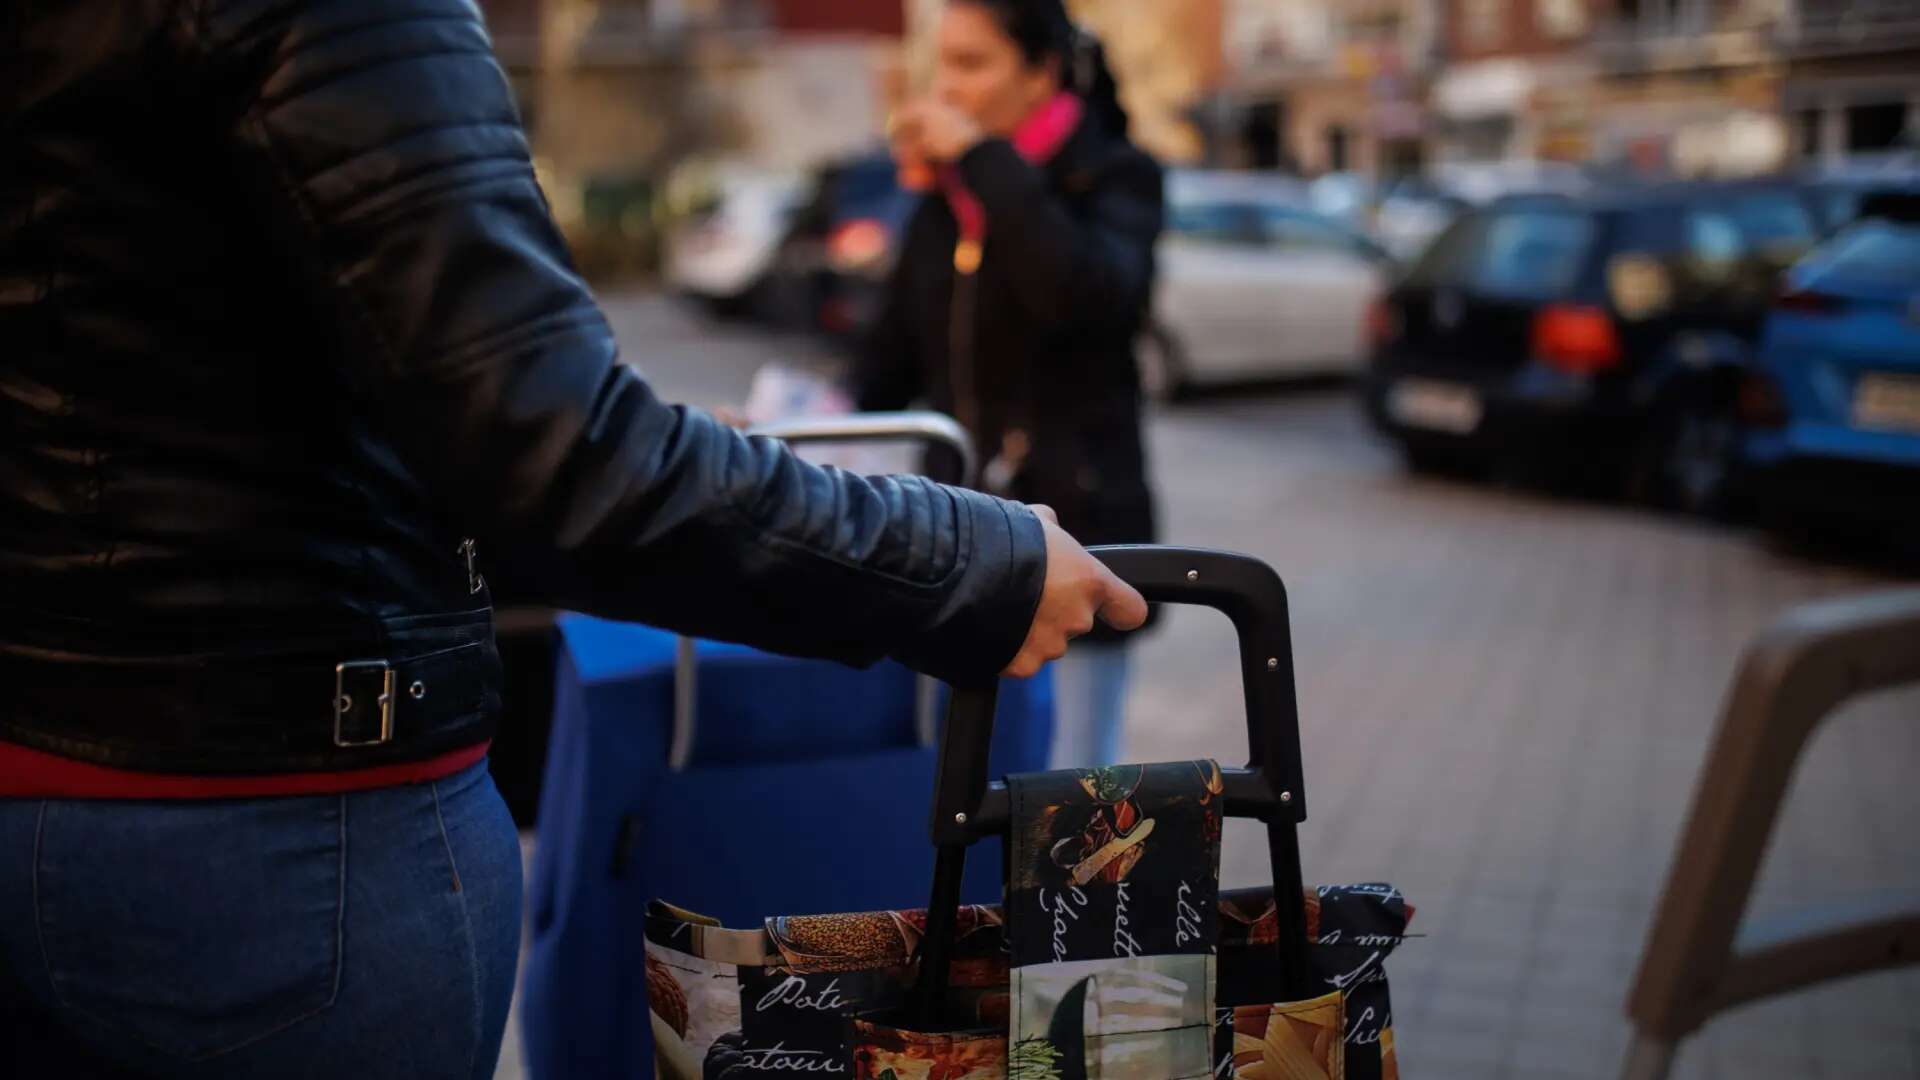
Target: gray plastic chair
(1699, 959)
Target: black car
(1614, 329)
(841, 245)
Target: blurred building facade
(1852, 84)
(615, 93)
(1670, 87)
(1314, 86)
(1514, 82)
(1742, 86)
(625, 88)
(1167, 56)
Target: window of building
(1666, 16)
(1402, 157)
(1876, 127)
(1561, 19)
(1338, 141)
(1807, 131)
(1260, 130)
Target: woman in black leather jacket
(289, 346)
(1022, 281)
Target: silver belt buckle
(354, 675)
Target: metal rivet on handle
(1273, 663)
(1193, 575)
(1286, 796)
(960, 818)
(344, 703)
(418, 690)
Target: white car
(723, 251)
(1253, 284)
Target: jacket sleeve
(380, 144)
(1070, 270)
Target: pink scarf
(1039, 137)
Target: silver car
(1254, 284)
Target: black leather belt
(212, 719)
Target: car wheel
(1163, 365)
(1448, 462)
(1689, 460)
(733, 308)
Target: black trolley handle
(968, 806)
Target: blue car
(1840, 379)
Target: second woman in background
(1023, 280)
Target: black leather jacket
(1039, 340)
(283, 321)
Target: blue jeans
(363, 936)
(1090, 706)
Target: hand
(731, 417)
(933, 131)
(913, 172)
(1079, 587)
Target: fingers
(906, 132)
(907, 117)
(903, 124)
(1050, 637)
(1123, 608)
(1041, 649)
(1024, 666)
(1080, 591)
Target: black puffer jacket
(1039, 341)
(283, 320)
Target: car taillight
(1806, 302)
(858, 245)
(1575, 339)
(1383, 323)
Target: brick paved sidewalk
(1506, 698)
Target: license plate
(1887, 402)
(1436, 406)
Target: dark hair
(1044, 31)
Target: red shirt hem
(26, 773)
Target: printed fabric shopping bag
(1113, 921)
(709, 987)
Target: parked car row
(1839, 375)
(1253, 284)
(728, 235)
(1651, 333)
(1647, 332)
(804, 251)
